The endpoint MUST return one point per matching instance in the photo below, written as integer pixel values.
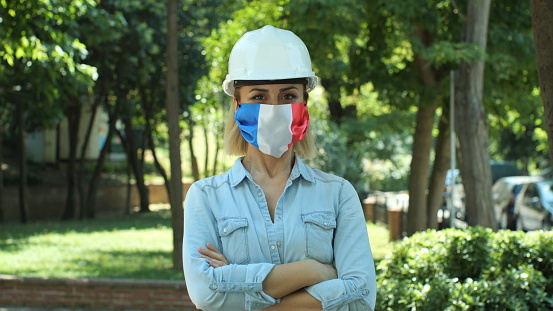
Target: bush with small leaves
(471, 269)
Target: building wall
(97, 136)
(42, 145)
(48, 202)
(94, 294)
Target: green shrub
(472, 269)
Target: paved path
(53, 309)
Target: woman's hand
(215, 257)
(326, 272)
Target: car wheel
(519, 225)
(503, 220)
(546, 226)
(507, 220)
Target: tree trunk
(138, 169)
(220, 129)
(193, 160)
(73, 114)
(129, 188)
(23, 207)
(336, 111)
(159, 168)
(95, 180)
(422, 141)
(206, 162)
(542, 22)
(439, 171)
(128, 171)
(418, 176)
(148, 138)
(80, 172)
(1, 176)
(470, 122)
(216, 155)
(173, 113)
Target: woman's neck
(263, 166)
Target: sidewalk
(53, 309)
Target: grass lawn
(138, 246)
(379, 238)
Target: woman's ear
(235, 103)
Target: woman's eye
(289, 96)
(258, 97)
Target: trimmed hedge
(470, 269)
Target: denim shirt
(318, 216)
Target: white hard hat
(271, 54)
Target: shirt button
(259, 192)
(214, 287)
(279, 217)
(365, 292)
(279, 244)
(267, 219)
(225, 230)
(273, 247)
(325, 223)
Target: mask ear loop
(236, 104)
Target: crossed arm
(286, 281)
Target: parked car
(502, 169)
(504, 194)
(499, 169)
(534, 206)
(458, 195)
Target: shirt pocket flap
(325, 220)
(227, 226)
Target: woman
(272, 233)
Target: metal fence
(385, 204)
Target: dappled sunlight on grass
(379, 239)
(137, 247)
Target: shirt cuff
(252, 286)
(333, 295)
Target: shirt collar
(238, 172)
(300, 169)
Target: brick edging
(94, 293)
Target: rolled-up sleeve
(231, 287)
(355, 288)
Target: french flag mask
(272, 128)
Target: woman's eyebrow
(259, 90)
(288, 88)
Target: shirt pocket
(234, 237)
(319, 233)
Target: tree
(123, 45)
(40, 64)
(405, 44)
(471, 124)
(542, 21)
(172, 102)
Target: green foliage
(371, 151)
(340, 157)
(376, 162)
(41, 58)
(472, 269)
(512, 94)
(246, 16)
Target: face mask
(272, 128)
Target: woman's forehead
(272, 87)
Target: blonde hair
(235, 144)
